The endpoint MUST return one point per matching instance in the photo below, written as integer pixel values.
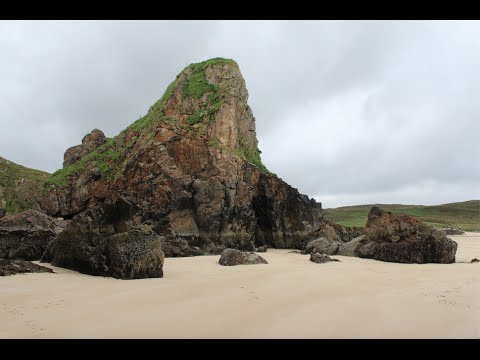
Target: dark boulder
(26, 235)
(404, 239)
(89, 246)
(475, 260)
(321, 258)
(2, 213)
(12, 267)
(231, 257)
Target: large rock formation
(26, 235)
(20, 187)
(190, 169)
(404, 239)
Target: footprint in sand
(447, 302)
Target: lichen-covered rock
(232, 257)
(321, 258)
(192, 169)
(26, 235)
(404, 239)
(115, 247)
(322, 246)
(12, 267)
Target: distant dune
(462, 215)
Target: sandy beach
(290, 297)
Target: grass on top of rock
(197, 84)
(103, 158)
(252, 156)
(107, 155)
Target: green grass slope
(20, 187)
(461, 215)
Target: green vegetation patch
(197, 84)
(21, 186)
(103, 158)
(252, 156)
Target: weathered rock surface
(322, 246)
(404, 239)
(348, 249)
(12, 267)
(90, 142)
(261, 249)
(232, 257)
(345, 233)
(191, 170)
(96, 244)
(26, 235)
(452, 231)
(321, 258)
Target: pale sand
(290, 297)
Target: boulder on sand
(404, 239)
(321, 258)
(87, 246)
(322, 246)
(232, 257)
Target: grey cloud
(347, 111)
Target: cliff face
(20, 187)
(190, 169)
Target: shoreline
(290, 297)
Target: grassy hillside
(462, 215)
(20, 186)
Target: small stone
(232, 257)
(321, 258)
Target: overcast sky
(348, 112)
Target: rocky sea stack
(190, 169)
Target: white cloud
(347, 111)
